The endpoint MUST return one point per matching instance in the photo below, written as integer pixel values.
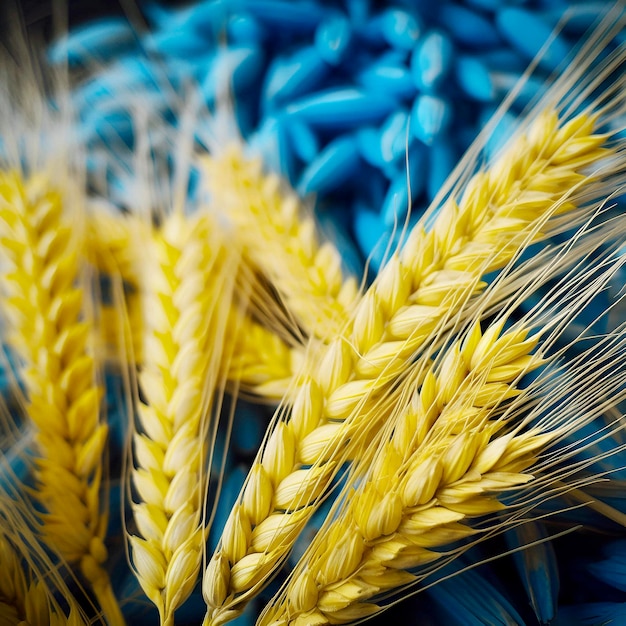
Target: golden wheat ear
(471, 442)
(547, 179)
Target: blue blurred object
(537, 567)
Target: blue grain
(95, 40)
(394, 136)
(430, 117)
(388, 74)
(304, 141)
(242, 28)
(474, 78)
(468, 27)
(396, 203)
(400, 29)
(342, 108)
(441, 160)
(371, 235)
(290, 77)
(177, 43)
(368, 139)
(294, 18)
(527, 33)
(333, 38)
(237, 67)
(333, 166)
(431, 60)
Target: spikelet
(281, 241)
(47, 329)
(187, 282)
(420, 288)
(453, 452)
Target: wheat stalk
(48, 331)
(281, 241)
(187, 282)
(502, 211)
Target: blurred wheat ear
(282, 242)
(50, 332)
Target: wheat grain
(281, 241)
(187, 283)
(47, 329)
(503, 209)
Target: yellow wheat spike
(502, 210)
(465, 439)
(46, 327)
(186, 286)
(281, 241)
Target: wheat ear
(46, 328)
(468, 437)
(281, 241)
(187, 284)
(500, 212)
(439, 467)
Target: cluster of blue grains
(365, 107)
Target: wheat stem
(501, 211)
(47, 330)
